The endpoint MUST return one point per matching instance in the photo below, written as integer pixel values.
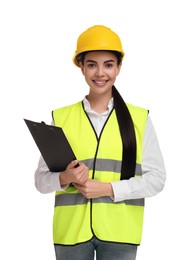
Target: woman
(99, 205)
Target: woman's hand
(95, 189)
(73, 174)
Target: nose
(99, 72)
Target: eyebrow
(93, 61)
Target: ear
(118, 69)
(81, 67)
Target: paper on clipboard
(53, 145)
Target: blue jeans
(104, 251)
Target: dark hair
(80, 57)
(127, 134)
(126, 126)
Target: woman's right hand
(74, 174)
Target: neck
(98, 103)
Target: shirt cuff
(54, 180)
(119, 190)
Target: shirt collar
(88, 108)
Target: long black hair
(126, 127)
(127, 132)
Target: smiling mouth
(100, 82)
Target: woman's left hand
(95, 189)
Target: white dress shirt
(153, 170)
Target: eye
(109, 65)
(91, 65)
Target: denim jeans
(104, 251)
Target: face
(100, 70)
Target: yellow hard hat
(97, 38)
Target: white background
(37, 42)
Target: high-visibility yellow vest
(76, 218)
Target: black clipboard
(53, 145)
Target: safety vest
(76, 218)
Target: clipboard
(53, 145)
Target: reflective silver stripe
(70, 199)
(135, 202)
(109, 165)
(78, 199)
(88, 163)
(138, 169)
